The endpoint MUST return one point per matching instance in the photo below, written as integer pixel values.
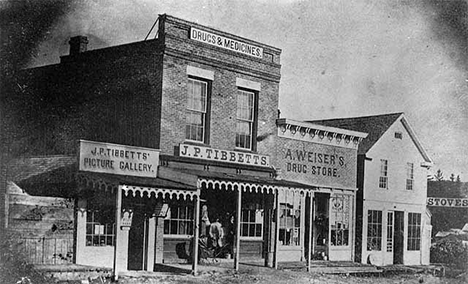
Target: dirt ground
(258, 276)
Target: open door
(398, 237)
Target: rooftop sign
(116, 159)
(226, 43)
(206, 153)
(447, 202)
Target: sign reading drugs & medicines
(226, 43)
(117, 159)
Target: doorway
(137, 240)
(320, 228)
(398, 237)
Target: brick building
(177, 132)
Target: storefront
(325, 159)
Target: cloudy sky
(340, 58)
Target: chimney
(78, 44)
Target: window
(374, 230)
(179, 220)
(245, 119)
(383, 179)
(197, 106)
(398, 135)
(409, 176)
(414, 231)
(290, 219)
(100, 227)
(390, 231)
(339, 220)
(251, 218)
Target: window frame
(409, 176)
(383, 176)
(253, 121)
(390, 231)
(414, 231)
(249, 206)
(93, 221)
(188, 220)
(206, 113)
(297, 203)
(340, 237)
(374, 224)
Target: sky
(339, 58)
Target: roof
(375, 126)
(25, 168)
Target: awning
(137, 186)
(224, 181)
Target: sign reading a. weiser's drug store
(226, 43)
(206, 153)
(118, 159)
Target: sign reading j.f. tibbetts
(211, 154)
(118, 159)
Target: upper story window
(398, 135)
(245, 119)
(409, 176)
(197, 111)
(383, 179)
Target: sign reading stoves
(118, 159)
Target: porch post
(311, 224)
(196, 231)
(238, 219)
(118, 210)
(277, 218)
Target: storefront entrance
(137, 240)
(398, 237)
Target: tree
(439, 175)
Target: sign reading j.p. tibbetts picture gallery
(118, 159)
(318, 164)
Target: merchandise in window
(179, 220)
(245, 119)
(374, 230)
(414, 231)
(100, 227)
(290, 219)
(196, 113)
(340, 219)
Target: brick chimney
(78, 44)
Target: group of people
(219, 237)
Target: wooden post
(196, 231)
(311, 225)
(238, 227)
(277, 217)
(118, 211)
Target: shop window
(340, 220)
(390, 231)
(290, 219)
(197, 111)
(374, 230)
(179, 220)
(414, 231)
(409, 176)
(251, 220)
(383, 179)
(100, 227)
(245, 119)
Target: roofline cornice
(310, 132)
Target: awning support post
(118, 210)
(277, 218)
(238, 227)
(311, 236)
(196, 231)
